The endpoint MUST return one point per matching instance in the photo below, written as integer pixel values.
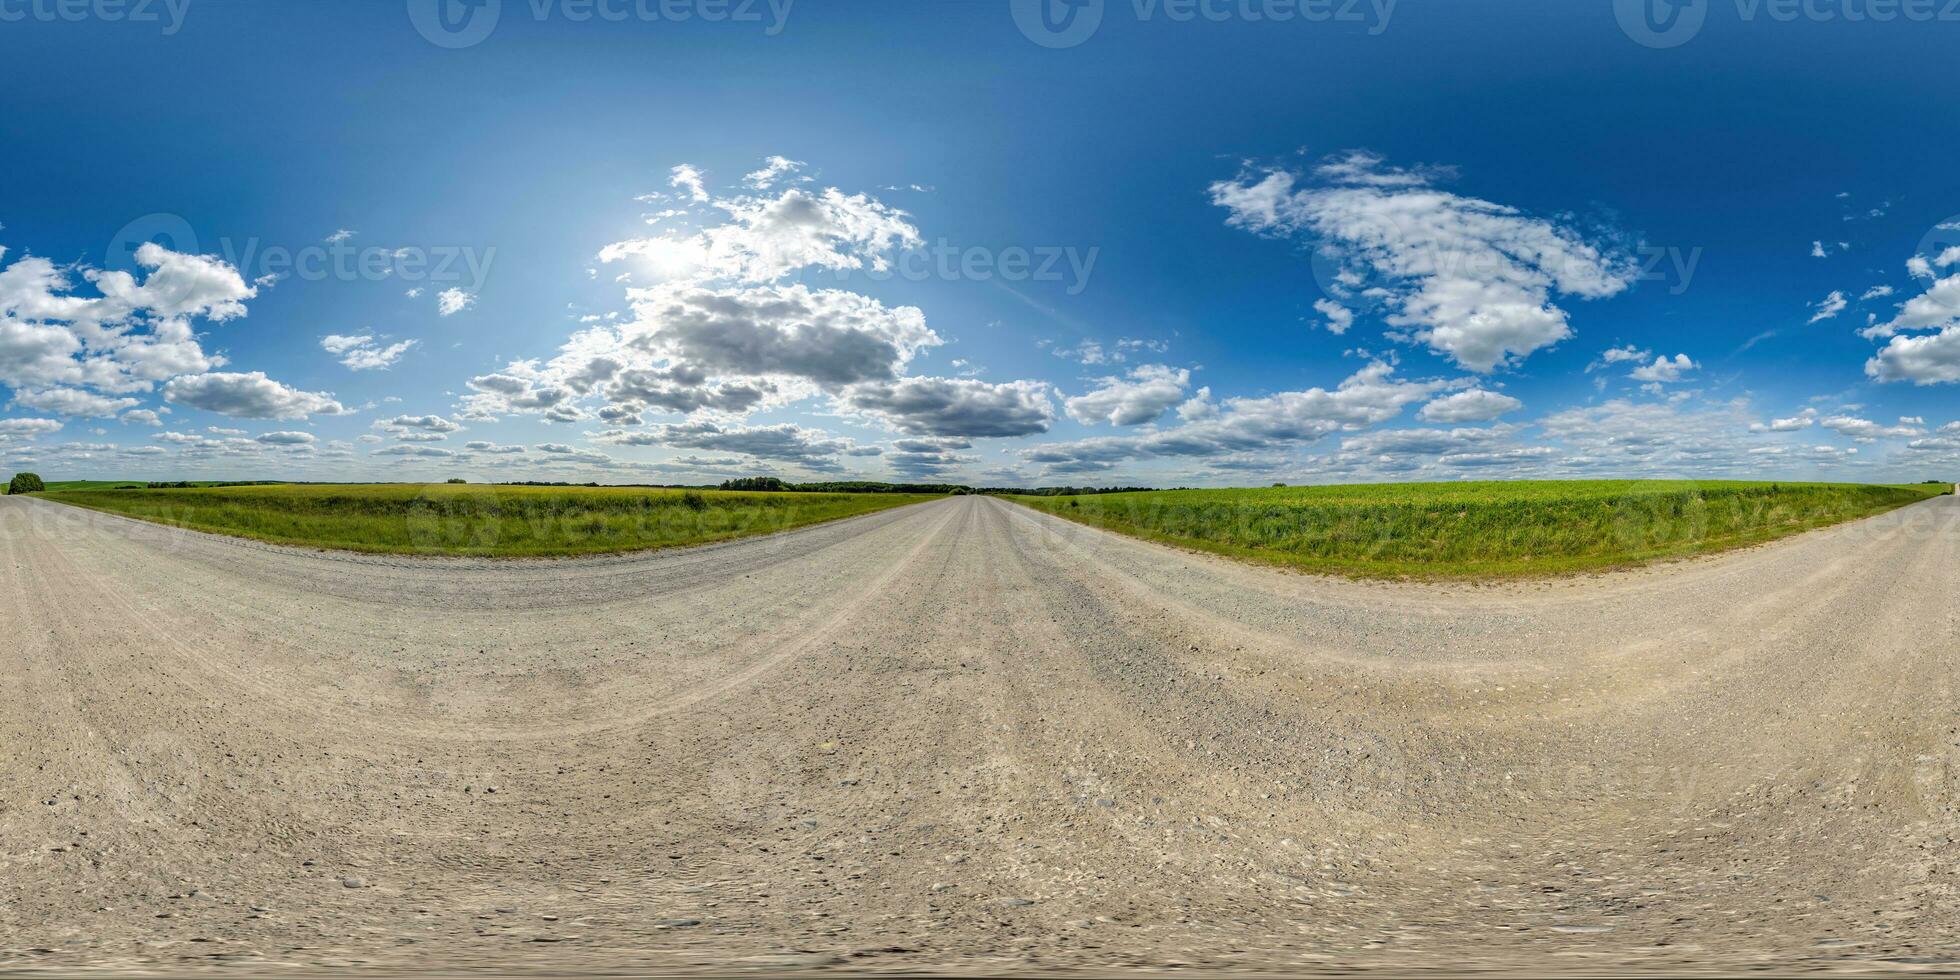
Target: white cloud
(1145, 395)
(1618, 355)
(1865, 430)
(29, 427)
(362, 353)
(454, 300)
(1475, 405)
(687, 178)
(72, 401)
(1664, 371)
(132, 335)
(1802, 420)
(342, 343)
(773, 168)
(142, 416)
(249, 396)
(1923, 360)
(427, 423)
(1937, 307)
(1369, 397)
(787, 442)
(286, 438)
(697, 348)
(339, 236)
(766, 238)
(959, 407)
(1474, 278)
(1828, 307)
(1339, 318)
(1935, 357)
(1877, 292)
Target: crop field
(1481, 529)
(54, 485)
(479, 519)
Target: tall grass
(1465, 529)
(477, 519)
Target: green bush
(26, 483)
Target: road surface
(965, 736)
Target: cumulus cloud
(249, 396)
(1664, 371)
(1802, 420)
(830, 337)
(1143, 396)
(130, 336)
(362, 352)
(766, 237)
(1475, 405)
(1865, 430)
(1925, 360)
(426, 423)
(927, 459)
(1339, 318)
(718, 335)
(694, 348)
(286, 438)
(957, 407)
(566, 453)
(29, 427)
(454, 300)
(1369, 397)
(1474, 279)
(427, 452)
(1931, 358)
(71, 401)
(785, 442)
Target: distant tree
(457, 479)
(26, 483)
(763, 483)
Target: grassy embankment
(1457, 530)
(479, 519)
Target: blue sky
(1171, 243)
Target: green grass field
(54, 485)
(1456, 530)
(479, 519)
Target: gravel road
(964, 736)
